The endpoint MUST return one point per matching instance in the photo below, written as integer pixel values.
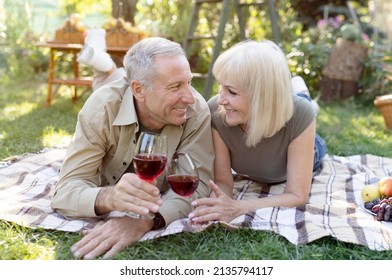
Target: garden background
(350, 126)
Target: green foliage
(18, 55)
(69, 7)
(350, 32)
(377, 75)
(167, 18)
(309, 12)
(309, 51)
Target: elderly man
(97, 176)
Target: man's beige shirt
(103, 146)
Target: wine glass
(149, 160)
(182, 175)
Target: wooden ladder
(239, 5)
(218, 38)
(190, 37)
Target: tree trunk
(343, 70)
(125, 9)
(345, 61)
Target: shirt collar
(127, 113)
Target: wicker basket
(120, 39)
(384, 104)
(69, 37)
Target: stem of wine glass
(190, 200)
(192, 226)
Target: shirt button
(124, 163)
(114, 177)
(134, 141)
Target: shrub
(18, 55)
(377, 75)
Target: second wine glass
(182, 175)
(149, 160)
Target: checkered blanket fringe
(334, 207)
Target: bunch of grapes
(381, 208)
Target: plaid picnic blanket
(334, 207)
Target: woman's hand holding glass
(218, 207)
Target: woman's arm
(300, 167)
(222, 165)
(299, 176)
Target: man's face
(167, 101)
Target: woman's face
(235, 103)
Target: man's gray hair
(139, 61)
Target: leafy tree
(18, 56)
(119, 8)
(310, 11)
(83, 6)
(167, 18)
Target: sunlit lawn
(26, 125)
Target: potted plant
(384, 102)
(344, 66)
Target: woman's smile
(230, 112)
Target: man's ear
(137, 90)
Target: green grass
(349, 127)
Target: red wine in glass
(182, 175)
(149, 166)
(183, 178)
(149, 161)
(184, 185)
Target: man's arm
(77, 188)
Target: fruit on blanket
(382, 209)
(369, 205)
(385, 186)
(370, 193)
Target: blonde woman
(261, 130)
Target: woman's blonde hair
(259, 69)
